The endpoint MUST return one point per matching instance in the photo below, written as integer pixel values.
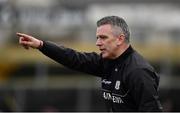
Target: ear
(120, 39)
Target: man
(129, 83)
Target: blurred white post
(83, 96)
(20, 100)
(41, 78)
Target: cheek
(111, 46)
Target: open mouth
(102, 50)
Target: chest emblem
(117, 85)
(106, 81)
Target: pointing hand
(28, 41)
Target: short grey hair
(116, 21)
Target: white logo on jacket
(117, 86)
(114, 98)
(106, 81)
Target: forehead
(104, 29)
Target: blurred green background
(29, 81)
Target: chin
(105, 56)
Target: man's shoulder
(137, 62)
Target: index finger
(22, 35)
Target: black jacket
(129, 83)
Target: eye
(102, 37)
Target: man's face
(106, 41)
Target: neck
(122, 48)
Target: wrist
(40, 44)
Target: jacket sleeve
(84, 62)
(144, 89)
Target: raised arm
(85, 62)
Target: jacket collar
(125, 54)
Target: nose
(98, 42)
